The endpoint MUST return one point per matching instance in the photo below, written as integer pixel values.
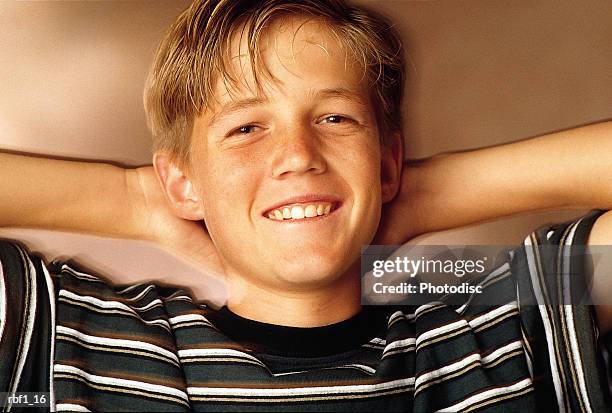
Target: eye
(244, 130)
(335, 119)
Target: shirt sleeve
(559, 328)
(27, 301)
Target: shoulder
(575, 232)
(26, 319)
(69, 291)
(558, 248)
(15, 259)
(83, 294)
(25, 284)
(555, 286)
(581, 251)
(553, 266)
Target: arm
(567, 169)
(66, 195)
(100, 199)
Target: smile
(301, 211)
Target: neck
(322, 306)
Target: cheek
(367, 170)
(227, 187)
(365, 165)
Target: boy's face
(308, 145)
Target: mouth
(302, 211)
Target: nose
(298, 151)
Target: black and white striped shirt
(96, 347)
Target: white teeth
(300, 211)
(297, 212)
(320, 209)
(286, 213)
(310, 211)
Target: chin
(310, 274)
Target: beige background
(482, 72)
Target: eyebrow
(340, 92)
(235, 106)
(328, 93)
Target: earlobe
(392, 159)
(178, 188)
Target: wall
(482, 72)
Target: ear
(392, 160)
(180, 192)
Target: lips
(304, 207)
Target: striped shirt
(96, 347)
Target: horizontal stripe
(366, 369)
(117, 343)
(497, 275)
(277, 402)
(80, 275)
(58, 369)
(99, 302)
(488, 394)
(182, 297)
(491, 315)
(472, 358)
(141, 294)
(152, 304)
(427, 308)
(96, 304)
(217, 352)
(299, 391)
(70, 407)
(464, 325)
(189, 318)
(378, 341)
(407, 344)
(129, 288)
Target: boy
(277, 123)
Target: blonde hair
(194, 53)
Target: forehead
(290, 46)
